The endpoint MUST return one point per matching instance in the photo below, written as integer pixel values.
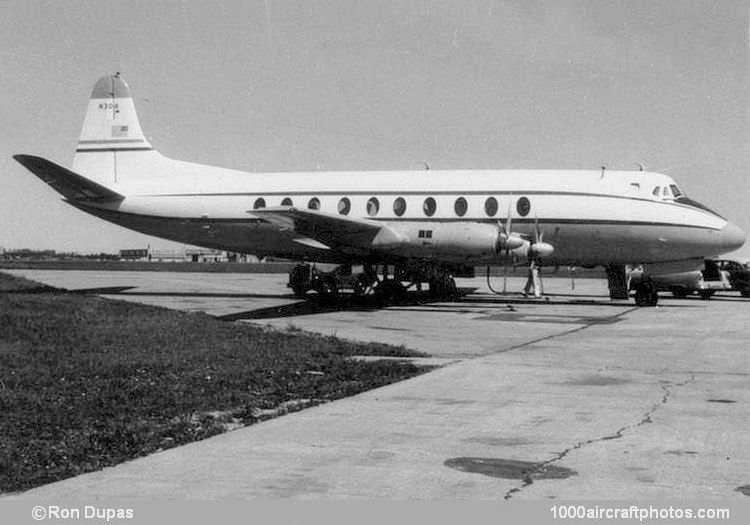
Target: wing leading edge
(337, 232)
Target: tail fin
(111, 132)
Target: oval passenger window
(429, 206)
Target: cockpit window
(669, 192)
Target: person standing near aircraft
(532, 283)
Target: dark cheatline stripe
(110, 141)
(89, 150)
(686, 201)
(545, 222)
(404, 193)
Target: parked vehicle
(738, 274)
(717, 275)
(306, 277)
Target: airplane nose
(732, 237)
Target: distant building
(134, 255)
(166, 256)
(186, 255)
(205, 255)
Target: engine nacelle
(452, 241)
(465, 243)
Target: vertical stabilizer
(111, 128)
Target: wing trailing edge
(69, 184)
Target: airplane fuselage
(591, 217)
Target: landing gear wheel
(444, 288)
(359, 287)
(390, 291)
(646, 294)
(326, 287)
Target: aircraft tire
(327, 287)
(443, 288)
(390, 291)
(360, 286)
(646, 294)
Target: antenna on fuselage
(641, 167)
(604, 168)
(426, 166)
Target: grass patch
(13, 284)
(87, 382)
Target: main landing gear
(365, 280)
(443, 286)
(305, 277)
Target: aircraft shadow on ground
(126, 290)
(573, 300)
(315, 304)
(717, 298)
(414, 302)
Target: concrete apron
(653, 406)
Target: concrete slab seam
(567, 332)
(647, 418)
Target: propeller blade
(539, 250)
(506, 237)
(507, 246)
(501, 227)
(510, 218)
(541, 281)
(505, 270)
(538, 234)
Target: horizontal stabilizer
(70, 185)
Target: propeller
(538, 250)
(508, 241)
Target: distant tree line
(37, 255)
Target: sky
(272, 85)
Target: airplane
(428, 226)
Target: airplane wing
(339, 232)
(69, 184)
